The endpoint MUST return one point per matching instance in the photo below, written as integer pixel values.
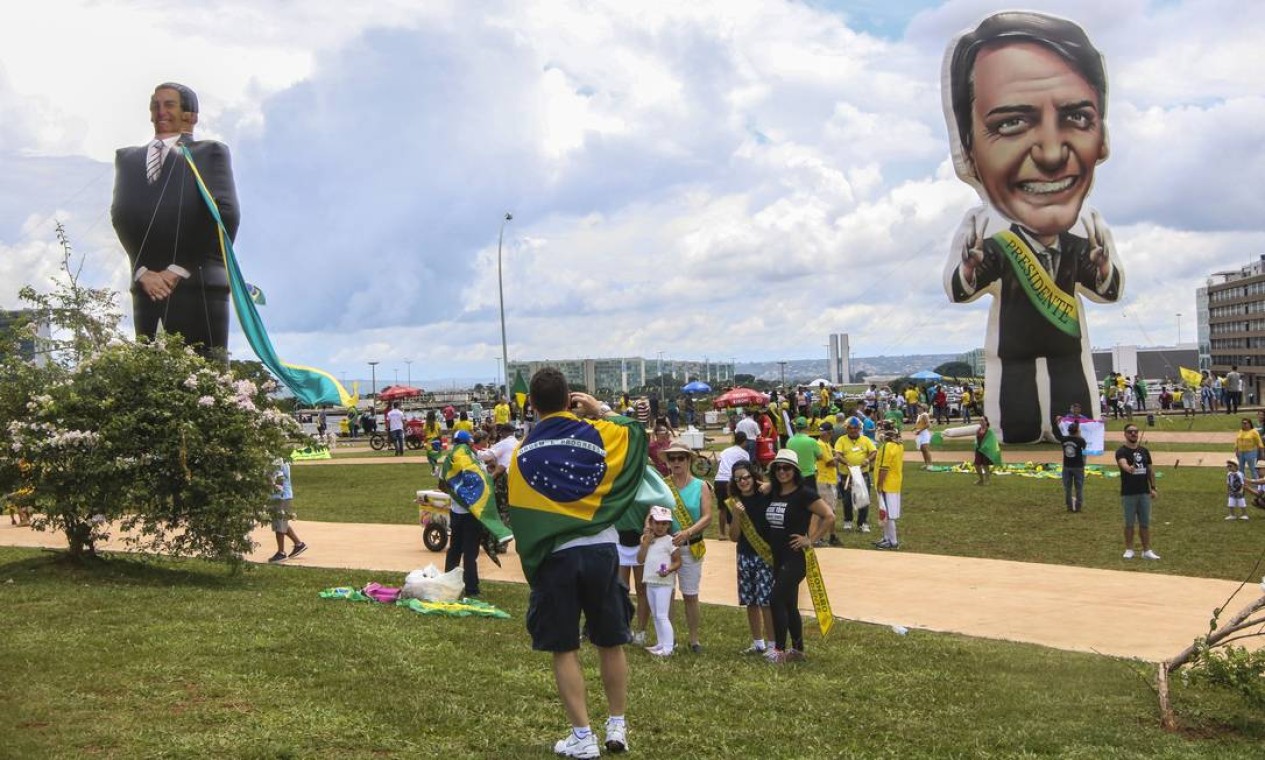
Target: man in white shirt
(724, 471)
(395, 428)
(503, 450)
(750, 428)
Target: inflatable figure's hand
(155, 285)
(1099, 255)
(973, 250)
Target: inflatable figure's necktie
(154, 166)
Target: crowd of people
(822, 472)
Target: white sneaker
(865, 527)
(1148, 554)
(1128, 554)
(639, 639)
(847, 526)
(1243, 517)
(574, 747)
(616, 737)
(1229, 517)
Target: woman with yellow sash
(691, 514)
(797, 517)
(750, 528)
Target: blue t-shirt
(283, 488)
(867, 428)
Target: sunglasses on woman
(677, 457)
(785, 468)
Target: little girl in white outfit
(661, 560)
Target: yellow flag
(1190, 377)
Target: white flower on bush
(244, 387)
(191, 382)
(206, 401)
(74, 438)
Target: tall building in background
(619, 374)
(1201, 326)
(839, 362)
(975, 357)
(28, 347)
(1236, 324)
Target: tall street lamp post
(661, 383)
(500, 286)
(408, 363)
(373, 389)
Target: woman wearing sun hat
(792, 529)
(691, 515)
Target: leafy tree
(148, 438)
(744, 379)
(956, 369)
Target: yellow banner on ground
(817, 590)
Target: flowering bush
(154, 439)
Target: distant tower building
(840, 364)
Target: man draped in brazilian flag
(474, 513)
(572, 480)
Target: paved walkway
(1115, 612)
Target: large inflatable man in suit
(178, 274)
(1024, 97)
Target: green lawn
(132, 659)
(368, 493)
(1014, 518)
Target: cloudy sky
(723, 179)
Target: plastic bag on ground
(445, 587)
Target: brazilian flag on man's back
(572, 477)
(473, 489)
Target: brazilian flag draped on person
(473, 489)
(309, 385)
(571, 478)
(989, 446)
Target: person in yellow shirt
(966, 404)
(1248, 448)
(855, 450)
(891, 467)
(911, 403)
(828, 475)
(501, 412)
(433, 441)
(464, 423)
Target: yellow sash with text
(1052, 302)
(749, 532)
(817, 590)
(682, 515)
